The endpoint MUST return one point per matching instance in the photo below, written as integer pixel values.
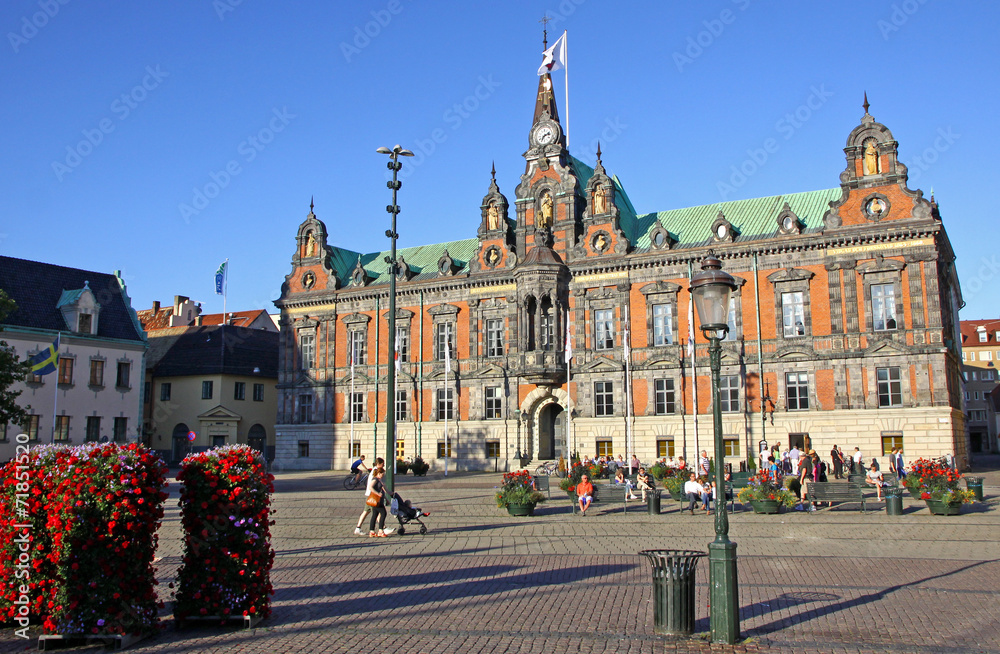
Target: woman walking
(378, 511)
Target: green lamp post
(711, 289)
(390, 412)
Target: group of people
(377, 513)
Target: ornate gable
(601, 232)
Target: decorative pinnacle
(545, 32)
(866, 105)
(311, 203)
(598, 151)
(493, 172)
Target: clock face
(545, 134)
(721, 231)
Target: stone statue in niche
(600, 200)
(871, 159)
(600, 243)
(492, 256)
(310, 249)
(493, 216)
(545, 212)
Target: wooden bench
(829, 491)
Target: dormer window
(982, 335)
(80, 309)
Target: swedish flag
(47, 360)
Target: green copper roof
(422, 260)
(754, 218)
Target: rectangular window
(729, 393)
(120, 429)
(96, 372)
(664, 448)
(444, 451)
(890, 440)
(445, 404)
(966, 396)
(35, 379)
(358, 407)
(444, 336)
(355, 451)
(62, 429)
(124, 373)
(403, 343)
(164, 391)
(258, 392)
(400, 448)
(307, 351)
(358, 353)
(206, 390)
(988, 375)
(305, 408)
(883, 307)
(240, 391)
(604, 325)
(492, 449)
(604, 404)
(494, 402)
(663, 395)
(303, 449)
(982, 336)
(604, 448)
(84, 322)
(65, 370)
(796, 391)
(793, 314)
(147, 392)
(731, 320)
(548, 331)
(494, 337)
(890, 390)
(975, 395)
(401, 406)
(663, 324)
(985, 355)
(732, 446)
(31, 429)
(93, 429)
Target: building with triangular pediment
(843, 328)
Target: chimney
(178, 301)
(156, 306)
(197, 321)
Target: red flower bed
(225, 512)
(94, 511)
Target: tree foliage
(12, 372)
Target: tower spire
(866, 105)
(545, 31)
(493, 171)
(311, 197)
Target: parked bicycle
(548, 468)
(354, 482)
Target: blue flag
(220, 279)
(47, 360)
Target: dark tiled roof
(210, 350)
(37, 287)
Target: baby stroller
(406, 513)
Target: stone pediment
(884, 347)
(794, 352)
(359, 377)
(219, 412)
(490, 370)
(661, 361)
(601, 364)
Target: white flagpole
(566, 81)
(225, 290)
(447, 394)
(350, 405)
(694, 373)
(627, 355)
(55, 399)
(569, 407)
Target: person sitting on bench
(644, 482)
(875, 479)
(694, 492)
(584, 493)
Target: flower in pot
(938, 486)
(764, 487)
(518, 489)
(419, 467)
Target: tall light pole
(390, 412)
(711, 289)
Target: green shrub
(419, 467)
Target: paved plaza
(482, 581)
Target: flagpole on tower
(555, 58)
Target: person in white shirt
(695, 491)
(703, 463)
(793, 458)
(765, 452)
(859, 466)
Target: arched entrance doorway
(180, 441)
(257, 438)
(551, 427)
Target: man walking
(900, 470)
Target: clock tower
(548, 200)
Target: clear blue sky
(677, 92)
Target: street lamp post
(390, 413)
(711, 289)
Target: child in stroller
(406, 513)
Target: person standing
(838, 462)
(793, 458)
(900, 468)
(892, 462)
(379, 465)
(703, 463)
(857, 462)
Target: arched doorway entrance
(551, 427)
(180, 441)
(257, 438)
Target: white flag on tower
(569, 341)
(555, 57)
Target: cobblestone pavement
(482, 581)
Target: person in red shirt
(584, 493)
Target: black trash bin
(653, 501)
(975, 484)
(893, 500)
(673, 590)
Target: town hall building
(843, 328)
